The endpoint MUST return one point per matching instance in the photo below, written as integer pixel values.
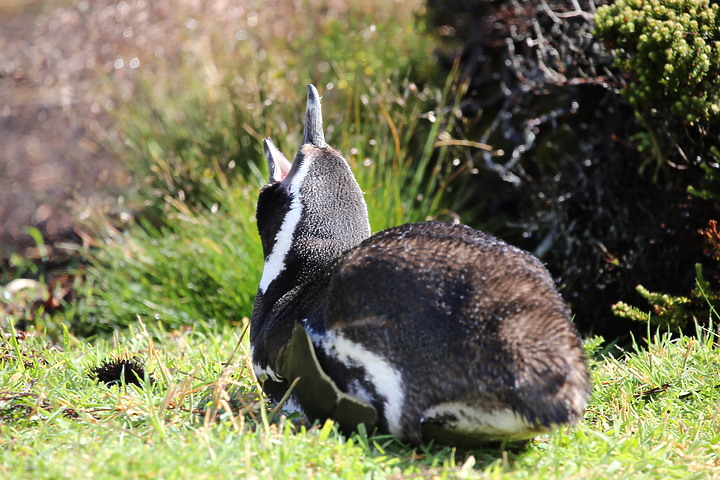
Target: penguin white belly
(475, 421)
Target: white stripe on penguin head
(275, 262)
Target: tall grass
(193, 136)
(199, 267)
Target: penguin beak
(278, 165)
(313, 133)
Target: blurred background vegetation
(585, 133)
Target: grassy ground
(187, 91)
(653, 414)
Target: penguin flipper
(317, 394)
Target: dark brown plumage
(446, 332)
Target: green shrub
(709, 185)
(672, 48)
(677, 312)
(674, 312)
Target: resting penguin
(426, 330)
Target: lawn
(196, 414)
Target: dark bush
(569, 183)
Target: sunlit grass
(653, 414)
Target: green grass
(653, 414)
(200, 260)
(190, 255)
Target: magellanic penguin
(427, 330)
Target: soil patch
(51, 165)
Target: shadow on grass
(433, 458)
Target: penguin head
(311, 211)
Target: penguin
(427, 331)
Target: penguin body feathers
(442, 331)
